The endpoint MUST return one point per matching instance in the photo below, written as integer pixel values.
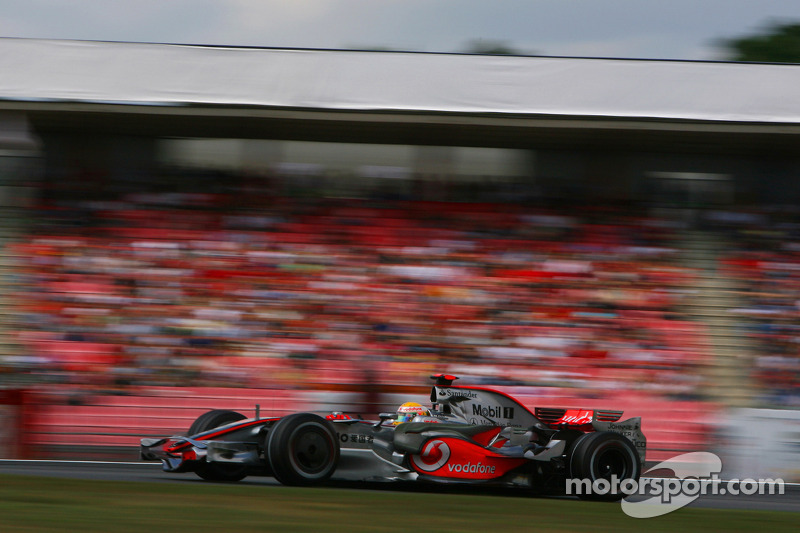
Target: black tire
(601, 455)
(302, 449)
(217, 471)
(213, 419)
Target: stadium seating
(321, 295)
(387, 282)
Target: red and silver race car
(469, 435)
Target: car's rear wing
(595, 420)
(557, 416)
(479, 405)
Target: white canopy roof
(159, 74)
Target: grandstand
(604, 230)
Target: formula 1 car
(469, 435)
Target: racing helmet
(407, 412)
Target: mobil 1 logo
(492, 411)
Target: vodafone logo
(434, 455)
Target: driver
(407, 412)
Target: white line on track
(152, 463)
(68, 461)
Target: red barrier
(72, 424)
(11, 428)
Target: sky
(647, 29)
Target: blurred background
(188, 228)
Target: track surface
(151, 472)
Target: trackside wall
(70, 425)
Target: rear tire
(217, 471)
(302, 449)
(601, 455)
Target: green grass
(33, 504)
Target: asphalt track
(151, 472)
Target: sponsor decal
(493, 411)
(458, 393)
(434, 455)
(617, 427)
(473, 468)
(456, 458)
(577, 418)
(338, 416)
(356, 438)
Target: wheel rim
(611, 462)
(311, 451)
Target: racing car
(470, 434)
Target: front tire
(302, 449)
(217, 471)
(602, 456)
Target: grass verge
(33, 504)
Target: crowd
(764, 261)
(271, 290)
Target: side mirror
(384, 417)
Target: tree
(780, 43)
